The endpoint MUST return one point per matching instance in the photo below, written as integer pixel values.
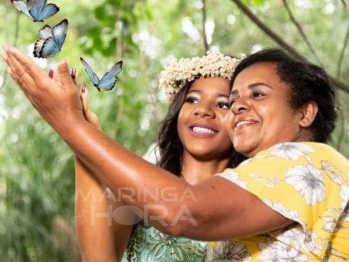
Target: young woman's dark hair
(308, 83)
(170, 146)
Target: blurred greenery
(36, 167)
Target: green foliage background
(36, 167)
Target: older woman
(288, 201)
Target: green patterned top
(149, 244)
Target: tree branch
(341, 57)
(281, 42)
(204, 34)
(300, 30)
(342, 114)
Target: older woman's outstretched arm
(213, 210)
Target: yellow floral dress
(305, 182)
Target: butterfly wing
(48, 11)
(40, 11)
(108, 81)
(51, 40)
(22, 7)
(36, 4)
(38, 47)
(59, 32)
(49, 48)
(94, 78)
(35, 7)
(45, 32)
(36, 10)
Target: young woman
(288, 202)
(193, 145)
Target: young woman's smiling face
(201, 119)
(260, 115)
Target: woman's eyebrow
(199, 92)
(251, 87)
(223, 95)
(194, 91)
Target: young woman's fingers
(51, 73)
(89, 115)
(83, 97)
(74, 75)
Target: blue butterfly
(36, 10)
(107, 82)
(51, 40)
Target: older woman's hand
(90, 116)
(57, 100)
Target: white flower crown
(178, 73)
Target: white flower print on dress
(330, 223)
(269, 181)
(234, 177)
(300, 240)
(291, 151)
(344, 193)
(294, 235)
(280, 208)
(311, 243)
(333, 172)
(343, 217)
(280, 252)
(309, 181)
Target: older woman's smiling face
(260, 115)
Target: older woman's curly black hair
(308, 83)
